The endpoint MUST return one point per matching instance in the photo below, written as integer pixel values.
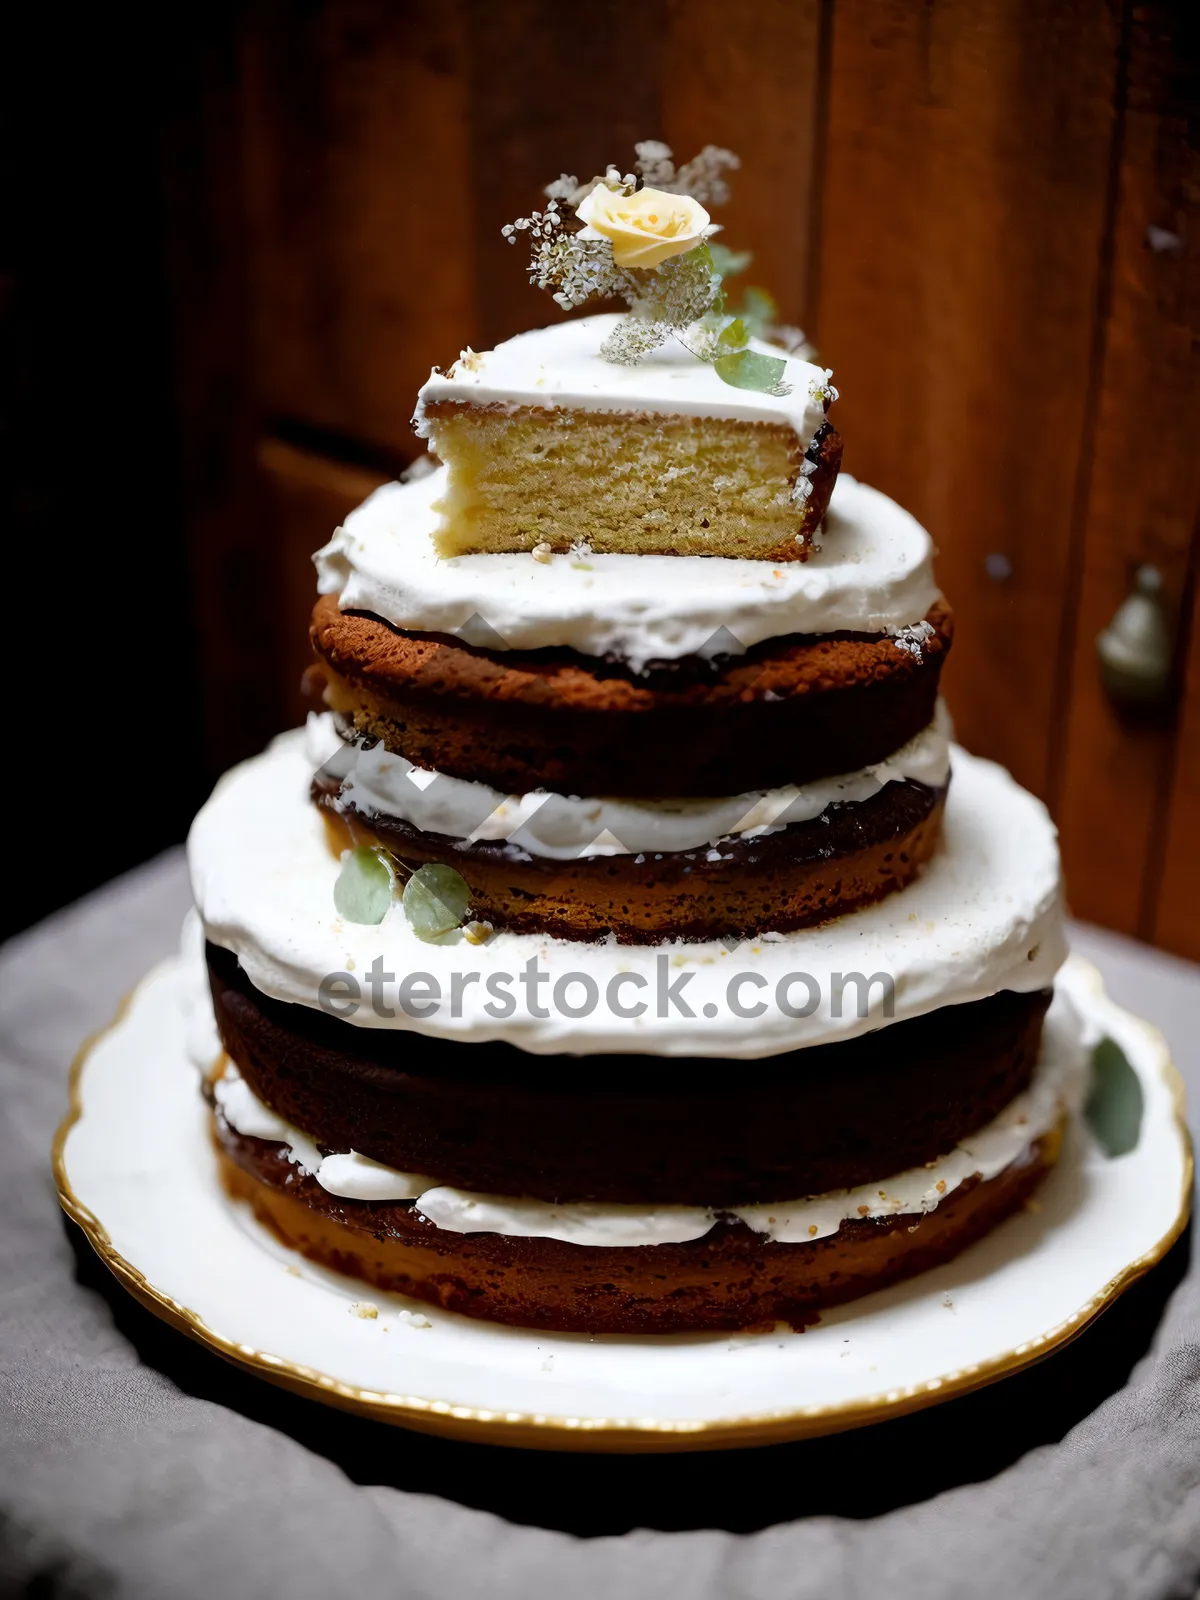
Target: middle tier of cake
(984, 916)
(643, 870)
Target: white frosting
(201, 1041)
(357, 1177)
(1056, 1087)
(566, 827)
(985, 915)
(351, 1176)
(561, 368)
(243, 1110)
(874, 572)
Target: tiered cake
(624, 948)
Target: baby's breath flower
(655, 163)
(669, 298)
(632, 339)
(703, 177)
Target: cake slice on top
(549, 444)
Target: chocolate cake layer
(786, 711)
(731, 1279)
(804, 874)
(489, 1117)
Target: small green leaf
(729, 262)
(436, 899)
(363, 890)
(750, 370)
(733, 337)
(1115, 1103)
(758, 311)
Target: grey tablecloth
(132, 1463)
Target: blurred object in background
(985, 213)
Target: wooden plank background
(984, 211)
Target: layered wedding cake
(625, 947)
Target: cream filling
(1056, 1087)
(564, 827)
(872, 574)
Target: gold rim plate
(534, 1430)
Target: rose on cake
(645, 228)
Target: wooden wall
(984, 211)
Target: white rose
(645, 228)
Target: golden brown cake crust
(695, 1131)
(787, 711)
(731, 1279)
(804, 874)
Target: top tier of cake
(550, 446)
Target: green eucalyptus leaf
(729, 262)
(750, 370)
(363, 890)
(733, 337)
(758, 311)
(699, 255)
(1115, 1102)
(436, 899)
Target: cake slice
(550, 445)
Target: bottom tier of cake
(732, 1278)
(577, 1263)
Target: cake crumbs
(366, 1309)
(415, 1319)
(478, 932)
(912, 639)
(468, 361)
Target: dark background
(107, 759)
(239, 235)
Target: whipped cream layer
(559, 827)
(985, 915)
(872, 574)
(1056, 1088)
(560, 368)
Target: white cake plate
(136, 1169)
